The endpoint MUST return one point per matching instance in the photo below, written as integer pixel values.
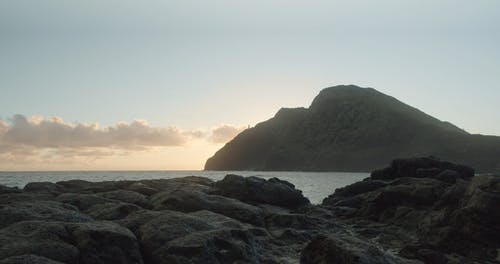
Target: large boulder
(105, 242)
(197, 237)
(256, 190)
(47, 239)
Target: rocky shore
(414, 211)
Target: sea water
(315, 185)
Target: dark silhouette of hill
(348, 128)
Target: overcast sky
(165, 83)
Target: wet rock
(256, 190)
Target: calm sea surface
(315, 185)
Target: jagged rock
(256, 190)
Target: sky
(155, 85)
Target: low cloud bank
(21, 137)
(55, 133)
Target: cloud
(38, 139)
(224, 133)
(53, 132)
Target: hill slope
(348, 128)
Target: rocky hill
(348, 128)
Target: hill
(348, 128)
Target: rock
(111, 211)
(8, 198)
(105, 242)
(42, 238)
(190, 183)
(156, 232)
(415, 211)
(43, 187)
(5, 189)
(142, 189)
(190, 201)
(346, 250)
(353, 190)
(28, 259)
(215, 246)
(218, 220)
(82, 201)
(42, 210)
(440, 206)
(256, 190)
(420, 167)
(127, 197)
(86, 187)
(136, 219)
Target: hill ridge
(349, 128)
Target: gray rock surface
(416, 211)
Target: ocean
(314, 185)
